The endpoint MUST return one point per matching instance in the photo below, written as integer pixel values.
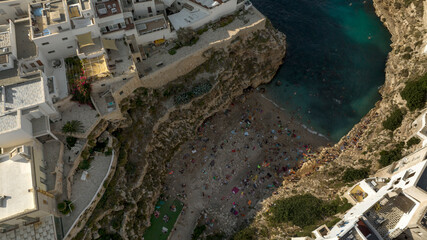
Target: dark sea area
(334, 64)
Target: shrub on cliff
(305, 210)
(393, 155)
(413, 141)
(394, 120)
(352, 174)
(415, 93)
(246, 234)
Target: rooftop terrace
(11, 76)
(107, 8)
(149, 25)
(386, 214)
(46, 14)
(20, 196)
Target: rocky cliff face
(160, 120)
(407, 22)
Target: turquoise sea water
(334, 64)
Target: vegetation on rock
(393, 155)
(413, 141)
(246, 234)
(415, 93)
(65, 207)
(352, 174)
(394, 120)
(304, 210)
(198, 231)
(71, 141)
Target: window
(39, 63)
(33, 65)
(149, 10)
(65, 38)
(2, 12)
(45, 43)
(44, 202)
(51, 52)
(69, 46)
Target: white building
(420, 126)
(387, 208)
(196, 13)
(27, 210)
(13, 10)
(26, 93)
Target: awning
(85, 40)
(109, 44)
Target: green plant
(73, 126)
(246, 234)
(202, 30)
(84, 164)
(71, 141)
(394, 120)
(352, 174)
(393, 155)
(415, 93)
(305, 210)
(198, 232)
(186, 37)
(413, 141)
(65, 207)
(108, 152)
(172, 51)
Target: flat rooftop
(11, 76)
(16, 184)
(23, 94)
(107, 8)
(145, 26)
(8, 121)
(386, 214)
(25, 47)
(185, 18)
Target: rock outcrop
(160, 120)
(407, 22)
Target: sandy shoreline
(239, 158)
